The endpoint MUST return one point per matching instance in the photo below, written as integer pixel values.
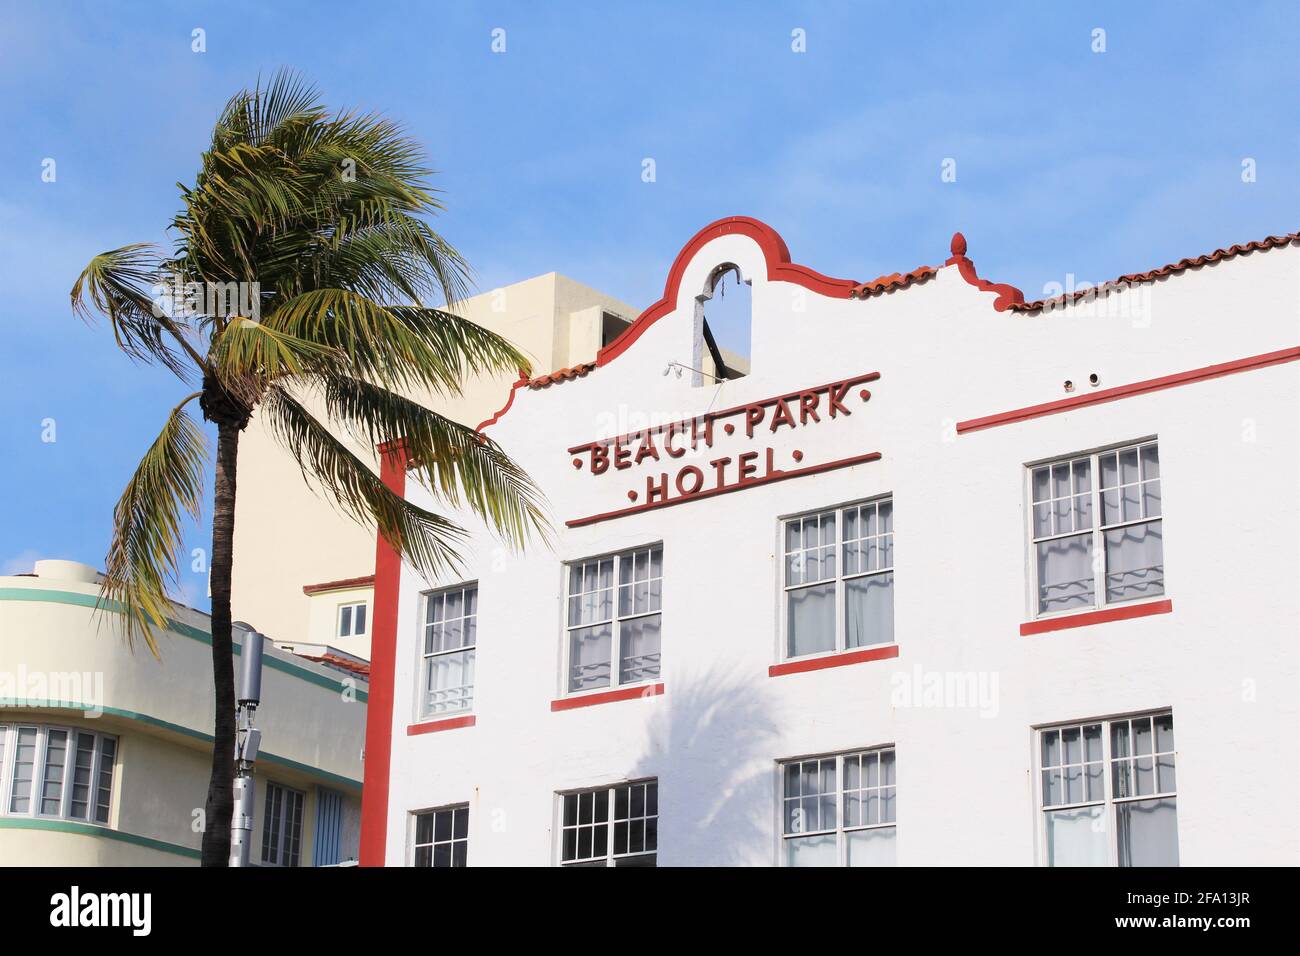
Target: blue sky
(1067, 160)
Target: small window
(604, 628)
(57, 772)
(839, 579)
(1108, 792)
(352, 620)
(611, 826)
(442, 836)
(1097, 516)
(840, 810)
(281, 826)
(450, 646)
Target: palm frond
(122, 284)
(248, 356)
(144, 553)
(427, 541)
(400, 346)
(457, 463)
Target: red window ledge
(833, 660)
(623, 693)
(433, 726)
(1085, 618)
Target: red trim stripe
(383, 658)
(739, 486)
(1128, 391)
(433, 726)
(1085, 618)
(623, 693)
(833, 660)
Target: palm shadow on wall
(710, 742)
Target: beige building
(303, 570)
(105, 753)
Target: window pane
(810, 851)
(24, 769)
(359, 624)
(811, 620)
(104, 788)
(1147, 832)
(82, 770)
(639, 649)
(872, 847)
(448, 683)
(345, 622)
(1150, 462)
(869, 610)
(1065, 578)
(589, 657)
(1076, 837)
(1135, 564)
(56, 758)
(423, 828)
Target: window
(57, 772)
(1083, 527)
(1108, 792)
(442, 836)
(601, 631)
(839, 579)
(450, 642)
(840, 810)
(281, 826)
(586, 818)
(352, 620)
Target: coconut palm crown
(298, 288)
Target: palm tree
(320, 216)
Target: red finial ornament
(958, 244)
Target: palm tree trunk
(220, 802)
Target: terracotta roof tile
(890, 283)
(343, 584)
(360, 668)
(561, 375)
(1173, 268)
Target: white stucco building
(948, 578)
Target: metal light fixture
(247, 741)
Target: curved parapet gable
(779, 269)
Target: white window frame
(1097, 531)
(285, 823)
(841, 842)
(616, 621)
(451, 808)
(840, 579)
(610, 857)
(98, 767)
(1109, 801)
(422, 676)
(353, 632)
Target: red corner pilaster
(383, 655)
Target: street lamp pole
(247, 740)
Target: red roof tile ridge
(1151, 275)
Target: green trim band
(185, 630)
(86, 829)
(13, 702)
